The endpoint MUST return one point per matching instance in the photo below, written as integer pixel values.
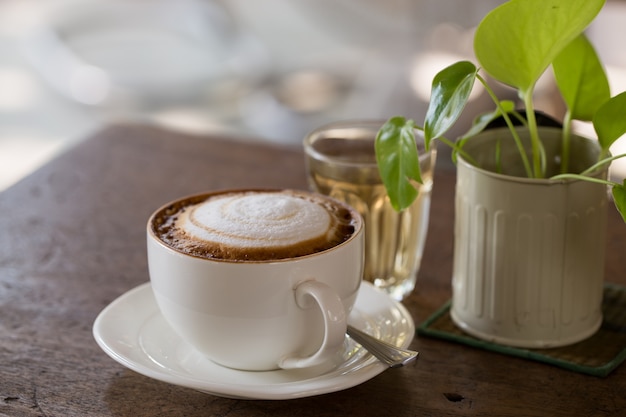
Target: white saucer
(132, 331)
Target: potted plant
(530, 201)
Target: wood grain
(72, 239)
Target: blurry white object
(98, 51)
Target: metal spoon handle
(385, 352)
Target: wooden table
(72, 239)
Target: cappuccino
(276, 270)
(255, 225)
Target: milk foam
(255, 225)
(258, 220)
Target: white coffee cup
(258, 315)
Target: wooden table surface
(72, 239)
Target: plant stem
(601, 163)
(565, 151)
(499, 156)
(534, 134)
(585, 174)
(585, 178)
(509, 123)
(458, 149)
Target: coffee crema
(254, 225)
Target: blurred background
(270, 70)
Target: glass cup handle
(311, 293)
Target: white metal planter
(529, 254)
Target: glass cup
(341, 163)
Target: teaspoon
(387, 353)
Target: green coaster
(597, 355)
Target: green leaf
(581, 79)
(517, 41)
(619, 197)
(450, 91)
(609, 121)
(481, 122)
(398, 161)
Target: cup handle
(311, 293)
